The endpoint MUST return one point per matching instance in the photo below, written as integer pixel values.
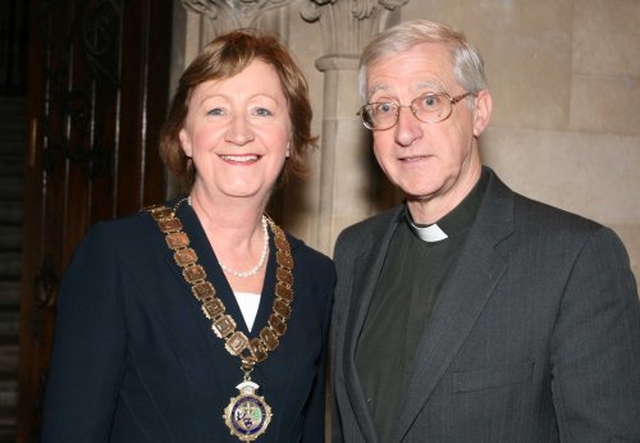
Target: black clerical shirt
(406, 294)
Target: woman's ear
(185, 143)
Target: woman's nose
(239, 131)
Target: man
(470, 313)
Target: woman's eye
(216, 111)
(263, 112)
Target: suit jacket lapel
(366, 272)
(462, 299)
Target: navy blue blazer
(135, 359)
(535, 337)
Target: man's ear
(482, 112)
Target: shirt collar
(455, 222)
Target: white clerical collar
(429, 234)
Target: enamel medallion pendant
(247, 414)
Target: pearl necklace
(263, 257)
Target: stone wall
(565, 80)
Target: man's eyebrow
(433, 86)
(376, 88)
(429, 85)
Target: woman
(201, 321)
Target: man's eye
(385, 108)
(430, 101)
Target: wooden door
(97, 94)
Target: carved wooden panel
(97, 94)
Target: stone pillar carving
(349, 24)
(347, 176)
(220, 16)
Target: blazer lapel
(462, 299)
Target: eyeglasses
(428, 108)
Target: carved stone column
(220, 16)
(347, 177)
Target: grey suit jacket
(535, 337)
